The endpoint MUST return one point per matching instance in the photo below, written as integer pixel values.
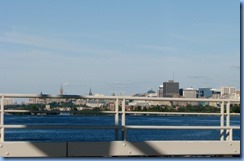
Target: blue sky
(120, 46)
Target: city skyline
(159, 91)
(118, 46)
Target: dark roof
(150, 91)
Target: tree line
(154, 108)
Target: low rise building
(216, 93)
(188, 92)
(94, 104)
(204, 93)
(151, 93)
(227, 91)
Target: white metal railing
(124, 127)
(224, 126)
(2, 119)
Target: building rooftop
(150, 91)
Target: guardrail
(225, 146)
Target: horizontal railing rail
(56, 111)
(118, 97)
(117, 127)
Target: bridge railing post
(2, 119)
(228, 131)
(222, 121)
(116, 118)
(123, 121)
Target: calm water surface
(109, 135)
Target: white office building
(188, 92)
(7, 101)
(227, 91)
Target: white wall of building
(227, 90)
(189, 93)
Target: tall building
(171, 89)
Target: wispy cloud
(197, 77)
(73, 84)
(127, 83)
(159, 48)
(185, 38)
(50, 43)
(235, 67)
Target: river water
(53, 135)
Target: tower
(90, 93)
(61, 90)
(160, 91)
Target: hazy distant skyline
(118, 46)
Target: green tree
(235, 109)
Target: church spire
(61, 90)
(90, 93)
